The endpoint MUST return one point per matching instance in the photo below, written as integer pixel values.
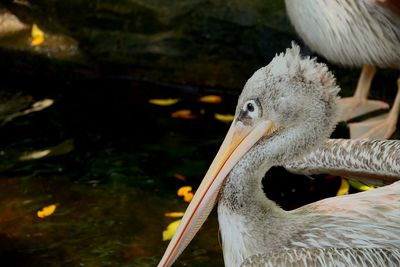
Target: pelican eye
(250, 107)
(251, 110)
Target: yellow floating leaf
(360, 186)
(184, 190)
(224, 117)
(36, 31)
(344, 188)
(183, 114)
(175, 214)
(46, 211)
(213, 99)
(37, 35)
(170, 231)
(164, 102)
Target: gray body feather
(327, 257)
(373, 161)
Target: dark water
(104, 225)
(111, 176)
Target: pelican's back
(327, 257)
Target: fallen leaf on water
(344, 188)
(224, 117)
(22, 2)
(35, 155)
(175, 214)
(37, 106)
(180, 177)
(184, 190)
(188, 197)
(37, 35)
(37, 41)
(36, 31)
(183, 114)
(61, 149)
(212, 99)
(170, 231)
(360, 186)
(46, 211)
(186, 193)
(164, 102)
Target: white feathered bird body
(349, 32)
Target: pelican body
(355, 33)
(350, 32)
(286, 111)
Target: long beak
(238, 141)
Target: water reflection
(103, 225)
(112, 184)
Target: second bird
(355, 33)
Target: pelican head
(285, 109)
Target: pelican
(355, 33)
(284, 115)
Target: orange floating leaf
(37, 41)
(184, 190)
(164, 102)
(180, 177)
(188, 197)
(186, 193)
(183, 114)
(224, 117)
(175, 214)
(46, 211)
(170, 231)
(212, 99)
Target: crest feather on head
(292, 64)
